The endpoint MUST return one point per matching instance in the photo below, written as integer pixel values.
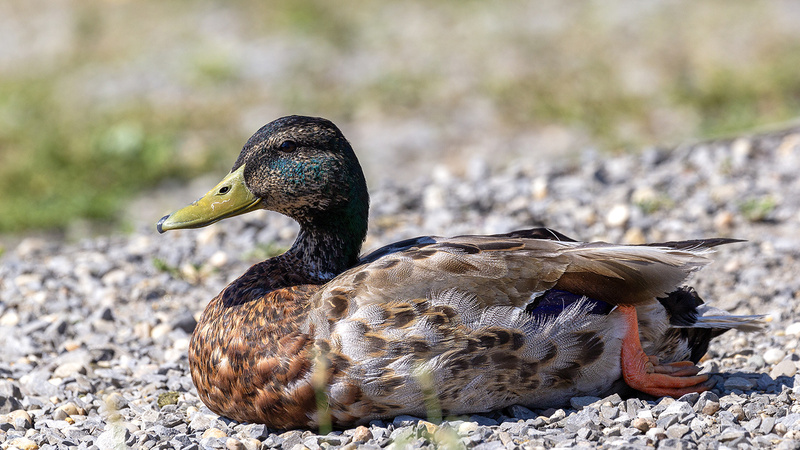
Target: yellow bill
(229, 198)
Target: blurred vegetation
(757, 209)
(102, 100)
(59, 164)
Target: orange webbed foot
(644, 373)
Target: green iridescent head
(302, 167)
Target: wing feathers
(508, 269)
(620, 274)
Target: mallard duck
(455, 325)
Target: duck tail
(717, 319)
(687, 310)
(698, 323)
(694, 244)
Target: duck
(323, 335)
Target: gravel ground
(94, 334)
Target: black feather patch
(698, 340)
(681, 306)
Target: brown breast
(251, 352)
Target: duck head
(302, 167)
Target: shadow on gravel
(751, 382)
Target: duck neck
(330, 243)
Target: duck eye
(288, 146)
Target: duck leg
(644, 373)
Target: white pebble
(433, 198)
(29, 281)
(773, 355)
(539, 187)
(793, 329)
(656, 433)
(181, 344)
(115, 277)
(645, 414)
(10, 318)
(741, 150)
(218, 259)
(160, 330)
(234, 444)
(142, 330)
(467, 427)
(68, 369)
(618, 215)
(206, 236)
(785, 368)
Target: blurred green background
(105, 102)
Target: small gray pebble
(767, 424)
(682, 409)
(405, 420)
(291, 438)
(738, 383)
(332, 439)
(272, 441)
(521, 412)
(512, 427)
(677, 431)
(201, 421)
(614, 399)
(105, 314)
(379, 433)
(402, 433)
(8, 404)
(311, 442)
(37, 383)
(581, 402)
(9, 388)
(609, 412)
(690, 398)
(586, 433)
(586, 418)
(676, 444)
(757, 361)
(185, 322)
(113, 437)
(667, 420)
(254, 431)
(731, 433)
(483, 420)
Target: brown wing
(500, 270)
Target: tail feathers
(695, 244)
(709, 317)
(687, 310)
(706, 323)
